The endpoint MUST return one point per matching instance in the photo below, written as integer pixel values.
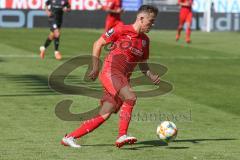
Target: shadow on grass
(34, 85)
(98, 145)
(157, 143)
(28, 85)
(136, 146)
(145, 143)
(1, 60)
(177, 147)
(200, 140)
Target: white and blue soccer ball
(167, 131)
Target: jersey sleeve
(112, 35)
(118, 4)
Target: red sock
(87, 127)
(125, 116)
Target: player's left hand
(156, 79)
(93, 74)
(100, 7)
(119, 10)
(49, 14)
(65, 9)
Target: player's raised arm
(67, 7)
(47, 3)
(106, 38)
(186, 3)
(118, 10)
(114, 8)
(146, 70)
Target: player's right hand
(100, 7)
(48, 13)
(93, 74)
(119, 10)
(155, 78)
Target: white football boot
(70, 141)
(125, 140)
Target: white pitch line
(159, 57)
(19, 56)
(192, 58)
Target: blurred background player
(185, 16)
(116, 72)
(114, 11)
(54, 10)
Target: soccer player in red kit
(130, 46)
(185, 16)
(114, 11)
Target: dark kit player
(54, 10)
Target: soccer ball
(167, 131)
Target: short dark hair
(148, 9)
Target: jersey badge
(109, 33)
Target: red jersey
(113, 4)
(128, 48)
(112, 19)
(186, 7)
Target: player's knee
(180, 27)
(56, 34)
(51, 36)
(188, 27)
(131, 101)
(106, 110)
(105, 115)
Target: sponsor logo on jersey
(136, 51)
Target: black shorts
(54, 23)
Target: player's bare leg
(125, 116)
(179, 29)
(89, 125)
(188, 32)
(47, 43)
(57, 54)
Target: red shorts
(112, 83)
(185, 15)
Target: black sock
(56, 43)
(47, 42)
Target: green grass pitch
(204, 102)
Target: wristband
(148, 73)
